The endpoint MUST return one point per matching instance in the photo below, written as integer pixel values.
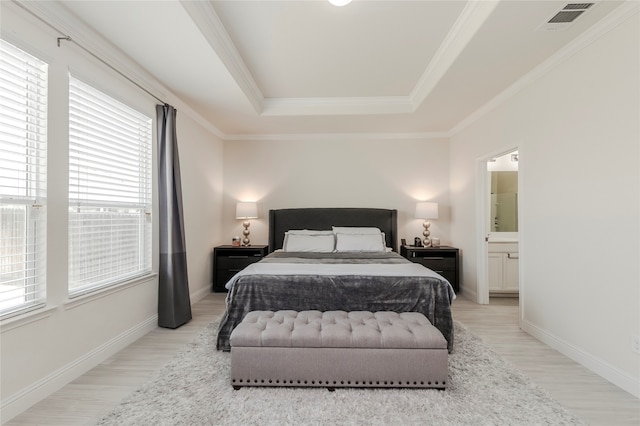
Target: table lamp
(426, 211)
(246, 211)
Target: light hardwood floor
(588, 396)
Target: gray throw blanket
(261, 292)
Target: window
(109, 190)
(23, 141)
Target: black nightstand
(443, 260)
(228, 260)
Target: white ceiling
(261, 69)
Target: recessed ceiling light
(339, 2)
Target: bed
(379, 280)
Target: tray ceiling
(264, 69)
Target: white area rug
(194, 389)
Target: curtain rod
(65, 37)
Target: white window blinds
(109, 190)
(23, 137)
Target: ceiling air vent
(563, 18)
(576, 6)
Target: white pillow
(307, 232)
(356, 230)
(362, 230)
(359, 243)
(320, 243)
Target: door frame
(483, 212)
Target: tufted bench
(338, 349)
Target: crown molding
(337, 106)
(611, 21)
(61, 20)
(473, 16)
(335, 136)
(203, 14)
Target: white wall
(43, 350)
(577, 128)
(350, 172)
(201, 156)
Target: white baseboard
(602, 368)
(200, 294)
(469, 294)
(21, 401)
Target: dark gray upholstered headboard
(283, 220)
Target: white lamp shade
(339, 2)
(246, 211)
(426, 210)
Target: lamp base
(426, 241)
(246, 241)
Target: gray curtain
(174, 305)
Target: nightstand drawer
(237, 262)
(437, 263)
(444, 260)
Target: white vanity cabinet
(503, 267)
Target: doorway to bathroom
(498, 272)
(503, 254)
